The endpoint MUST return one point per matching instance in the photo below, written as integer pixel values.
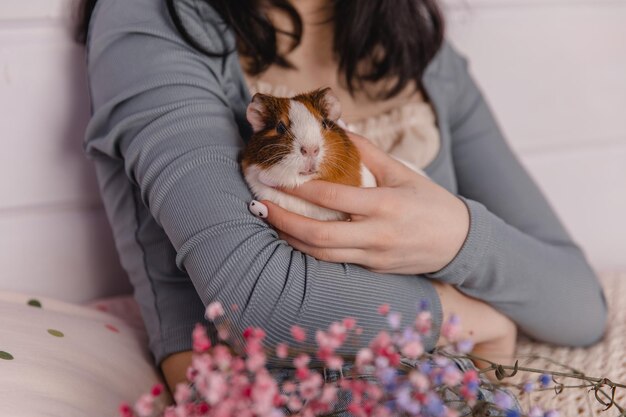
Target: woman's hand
(406, 225)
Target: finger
(338, 255)
(316, 233)
(387, 170)
(340, 197)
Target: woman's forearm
(518, 256)
(541, 285)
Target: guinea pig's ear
(256, 112)
(331, 104)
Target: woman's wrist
(458, 232)
(480, 322)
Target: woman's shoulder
(448, 64)
(202, 23)
(449, 82)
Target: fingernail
(258, 209)
(342, 124)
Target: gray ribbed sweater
(168, 125)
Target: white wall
(554, 72)
(54, 237)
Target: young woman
(170, 81)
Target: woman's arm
(518, 257)
(163, 118)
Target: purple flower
(535, 411)
(435, 406)
(387, 376)
(544, 380)
(465, 346)
(425, 368)
(394, 320)
(503, 401)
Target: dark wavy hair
(374, 40)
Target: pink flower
(282, 350)
(222, 357)
(349, 323)
(310, 387)
(294, 403)
(334, 362)
(157, 389)
(145, 405)
(413, 350)
(451, 329)
(423, 322)
(302, 361)
(183, 393)
(171, 412)
(329, 394)
(200, 366)
(383, 310)
(289, 387)
(355, 409)
(216, 388)
(452, 376)
(419, 381)
(214, 310)
(237, 364)
(364, 357)
(255, 362)
(394, 319)
(201, 342)
(125, 410)
(202, 408)
(263, 393)
(337, 331)
(302, 373)
(298, 333)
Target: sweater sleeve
(517, 257)
(163, 110)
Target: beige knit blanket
(605, 359)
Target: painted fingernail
(258, 209)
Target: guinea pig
(296, 140)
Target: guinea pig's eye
(280, 128)
(325, 123)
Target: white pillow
(68, 360)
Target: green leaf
(34, 303)
(55, 333)
(6, 356)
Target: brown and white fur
(296, 140)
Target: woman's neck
(316, 45)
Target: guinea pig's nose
(309, 150)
